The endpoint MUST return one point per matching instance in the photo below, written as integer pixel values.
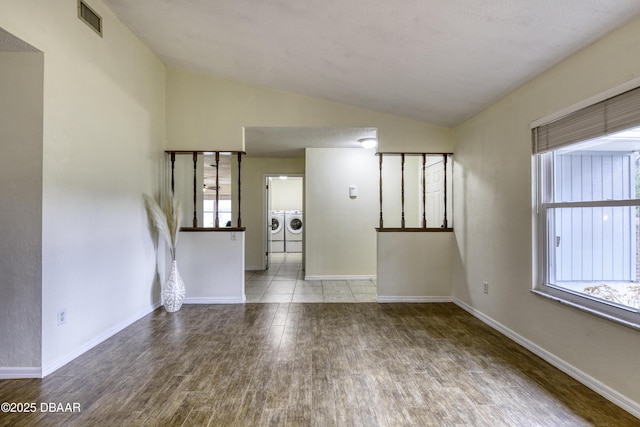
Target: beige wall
(414, 267)
(104, 130)
(340, 236)
(208, 112)
(493, 217)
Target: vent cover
(89, 17)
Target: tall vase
(173, 291)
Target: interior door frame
(267, 222)
(266, 200)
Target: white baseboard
(63, 360)
(602, 389)
(350, 277)
(219, 300)
(19, 373)
(388, 299)
(254, 268)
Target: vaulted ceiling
(439, 61)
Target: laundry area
(285, 195)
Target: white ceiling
(440, 61)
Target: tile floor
(284, 283)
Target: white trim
(344, 277)
(602, 389)
(574, 299)
(265, 209)
(215, 300)
(19, 373)
(387, 299)
(599, 97)
(592, 204)
(56, 364)
(254, 268)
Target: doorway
(284, 213)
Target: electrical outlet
(233, 235)
(485, 287)
(62, 316)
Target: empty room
(294, 213)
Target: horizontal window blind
(606, 117)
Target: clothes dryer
(294, 229)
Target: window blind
(606, 117)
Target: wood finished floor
(293, 364)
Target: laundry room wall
(286, 194)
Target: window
(588, 211)
(209, 213)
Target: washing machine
(293, 231)
(277, 231)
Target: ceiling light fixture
(368, 142)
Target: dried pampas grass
(166, 219)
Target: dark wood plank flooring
(311, 365)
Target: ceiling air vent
(90, 17)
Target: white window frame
(221, 212)
(544, 174)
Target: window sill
(570, 300)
